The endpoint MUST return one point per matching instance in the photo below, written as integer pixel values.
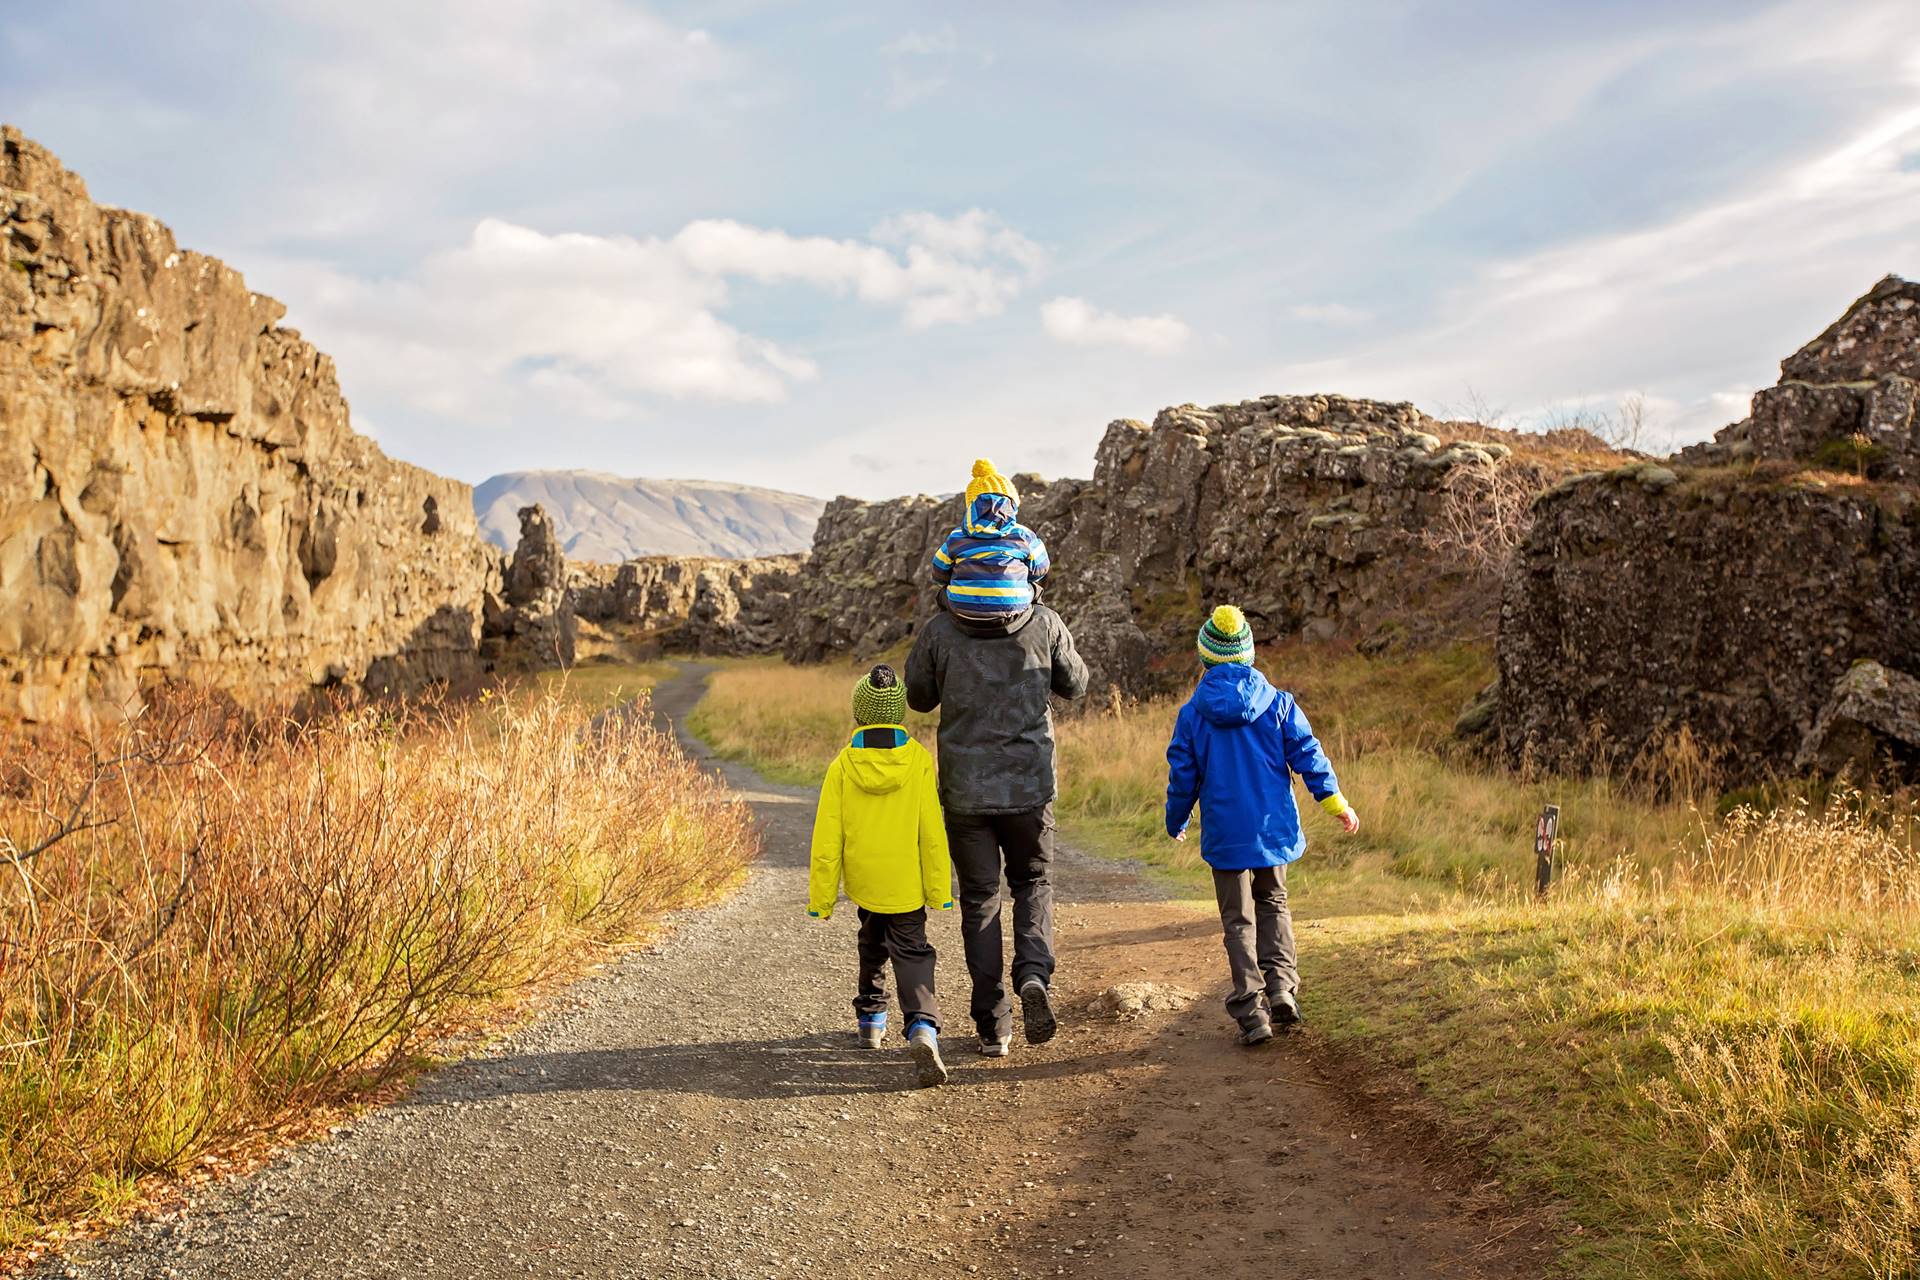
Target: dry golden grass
(788, 722)
(208, 925)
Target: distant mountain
(613, 518)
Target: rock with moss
(1870, 720)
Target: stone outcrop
(1314, 513)
(181, 492)
(534, 618)
(1846, 400)
(1872, 717)
(1726, 594)
(868, 581)
(691, 604)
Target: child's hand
(1350, 822)
(1182, 837)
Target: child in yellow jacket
(879, 829)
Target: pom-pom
(982, 468)
(1228, 620)
(882, 677)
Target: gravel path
(699, 1110)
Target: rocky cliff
(181, 491)
(1730, 593)
(691, 604)
(1317, 514)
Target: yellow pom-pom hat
(1225, 637)
(987, 480)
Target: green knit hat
(879, 698)
(1225, 637)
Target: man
(993, 678)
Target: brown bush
(208, 924)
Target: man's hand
(1350, 822)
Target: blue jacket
(1236, 745)
(989, 565)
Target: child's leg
(1247, 1001)
(1278, 962)
(871, 996)
(913, 959)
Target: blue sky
(845, 248)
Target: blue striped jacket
(990, 565)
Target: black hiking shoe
(1254, 1033)
(1286, 1011)
(1036, 1011)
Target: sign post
(1543, 835)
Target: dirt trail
(699, 1110)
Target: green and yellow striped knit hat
(879, 698)
(1225, 637)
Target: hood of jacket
(879, 770)
(992, 513)
(1234, 694)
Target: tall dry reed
(209, 924)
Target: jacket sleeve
(1039, 564)
(1183, 774)
(943, 560)
(1305, 758)
(1069, 672)
(923, 672)
(936, 865)
(829, 842)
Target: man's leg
(1028, 841)
(976, 860)
(1235, 896)
(1278, 963)
(913, 960)
(871, 995)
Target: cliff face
(1314, 513)
(181, 493)
(1730, 593)
(691, 604)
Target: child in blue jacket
(1236, 745)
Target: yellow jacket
(879, 826)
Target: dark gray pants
(1259, 935)
(901, 938)
(983, 845)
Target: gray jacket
(992, 684)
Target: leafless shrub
(206, 926)
(1483, 517)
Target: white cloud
(1336, 315)
(1080, 323)
(517, 325)
(942, 40)
(921, 64)
(948, 271)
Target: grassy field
(1704, 1046)
(210, 926)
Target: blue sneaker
(873, 1029)
(925, 1043)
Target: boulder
(1872, 715)
(1130, 1001)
